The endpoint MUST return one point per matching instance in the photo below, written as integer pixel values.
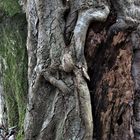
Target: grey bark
(59, 106)
(59, 101)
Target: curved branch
(85, 18)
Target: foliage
(11, 7)
(12, 49)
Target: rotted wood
(135, 73)
(112, 53)
(59, 105)
(111, 88)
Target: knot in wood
(67, 63)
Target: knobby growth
(59, 105)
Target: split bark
(59, 105)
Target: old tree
(83, 69)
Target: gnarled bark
(59, 105)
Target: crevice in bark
(70, 17)
(102, 56)
(135, 74)
(109, 63)
(120, 120)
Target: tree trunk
(61, 92)
(111, 85)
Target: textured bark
(135, 73)
(59, 104)
(111, 86)
(59, 101)
(114, 72)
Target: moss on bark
(13, 50)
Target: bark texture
(135, 74)
(59, 103)
(114, 69)
(111, 86)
